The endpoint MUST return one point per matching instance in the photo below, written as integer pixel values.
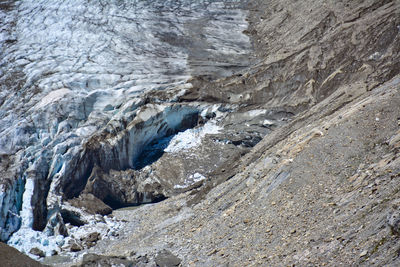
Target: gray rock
(75, 247)
(73, 216)
(91, 239)
(166, 259)
(37, 252)
(121, 188)
(91, 204)
(94, 260)
(56, 226)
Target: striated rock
(303, 63)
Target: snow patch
(256, 112)
(52, 97)
(191, 180)
(268, 122)
(191, 137)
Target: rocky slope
(13, 258)
(290, 157)
(323, 188)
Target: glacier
(74, 76)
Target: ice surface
(26, 238)
(10, 204)
(53, 97)
(26, 212)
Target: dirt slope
(11, 257)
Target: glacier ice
(73, 75)
(26, 212)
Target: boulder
(166, 259)
(91, 239)
(94, 260)
(75, 247)
(91, 204)
(37, 252)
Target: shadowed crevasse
(125, 151)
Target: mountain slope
(322, 189)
